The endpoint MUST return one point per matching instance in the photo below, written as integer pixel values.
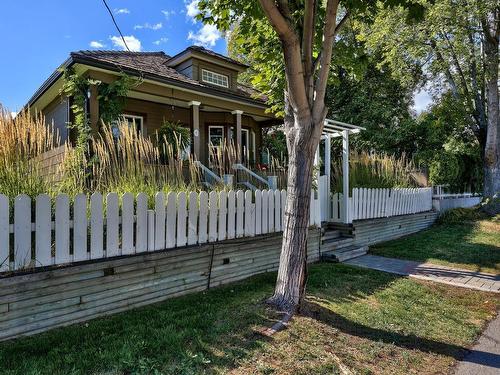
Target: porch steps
(345, 253)
(337, 243)
(347, 230)
(331, 235)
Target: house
(197, 87)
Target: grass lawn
(472, 245)
(366, 321)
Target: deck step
(337, 242)
(345, 253)
(347, 230)
(331, 234)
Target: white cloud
(132, 42)
(168, 13)
(160, 41)
(147, 25)
(13, 114)
(96, 44)
(207, 36)
(121, 11)
(192, 9)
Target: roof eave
(49, 82)
(155, 77)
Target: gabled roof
(205, 51)
(153, 66)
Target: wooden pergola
(334, 129)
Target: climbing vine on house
(111, 98)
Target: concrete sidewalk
(432, 272)
(484, 358)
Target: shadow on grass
(463, 245)
(190, 334)
(412, 342)
(206, 332)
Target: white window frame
(210, 144)
(215, 78)
(210, 127)
(253, 147)
(134, 117)
(245, 148)
(123, 118)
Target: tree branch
(339, 27)
(292, 54)
(341, 23)
(308, 44)
(326, 58)
(278, 21)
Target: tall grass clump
(374, 170)
(133, 163)
(23, 140)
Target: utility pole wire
(116, 25)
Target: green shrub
(175, 135)
(461, 216)
(444, 169)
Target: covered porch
(214, 120)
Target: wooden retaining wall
(373, 231)
(54, 297)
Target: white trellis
(332, 129)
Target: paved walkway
(426, 271)
(484, 358)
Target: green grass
(367, 321)
(472, 245)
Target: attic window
(214, 78)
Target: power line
(116, 25)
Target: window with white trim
(215, 142)
(214, 78)
(136, 122)
(216, 135)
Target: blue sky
(37, 36)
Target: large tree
(306, 30)
(454, 48)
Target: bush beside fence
(104, 227)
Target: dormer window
(214, 78)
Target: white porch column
(328, 173)
(195, 116)
(316, 165)
(238, 145)
(345, 176)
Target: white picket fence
(373, 203)
(87, 229)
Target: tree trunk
(492, 150)
(292, 272)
